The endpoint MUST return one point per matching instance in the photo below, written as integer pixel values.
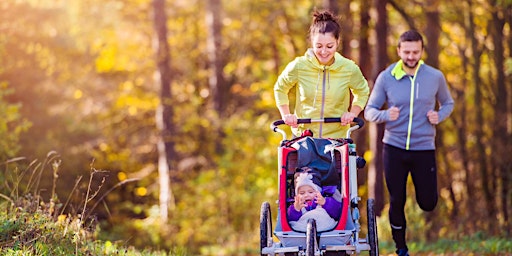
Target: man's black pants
(398, 163)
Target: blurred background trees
(80, 78)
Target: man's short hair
(410, 36)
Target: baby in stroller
(312, 201)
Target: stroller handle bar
(359, 124)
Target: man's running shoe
(402, 252)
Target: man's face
(410, 52)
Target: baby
(310, 204)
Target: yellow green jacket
(316, 91)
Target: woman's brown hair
(325, 22)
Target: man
(410, 89)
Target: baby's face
(307, 193)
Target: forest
(150, 118)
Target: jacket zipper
(411, 112)
(323, 103)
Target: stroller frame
(344, 238)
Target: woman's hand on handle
(347, 118)
(291, 120)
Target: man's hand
(393, 112)
(433, 117)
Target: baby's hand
(320, 200)
(298, 204)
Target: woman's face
(324, 47)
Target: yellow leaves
(62, 218)
(109, 248)
(112, 58)
(78, 94)
(127, 86)
(368, 155)
(133, 102)
(106, 60)
(121, 176)
(117, 50)
(103, 147)
(132, 111)
(508, 66)
(141, 191)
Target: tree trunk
(365, 62)
(218, 88)
(214, 44)
(365, 56)
(432, 32)
(460, 121)
(408, 19)
(481, 157)
(332, 5)
(285, 29)
(502, 134)
(508, 18)
(346, 22)
(347, 29)
(375, 170)
(165, 111)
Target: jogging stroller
(338, 156)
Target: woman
(318, 84)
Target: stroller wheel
(311, 242)
(372, 228)
(265, 227)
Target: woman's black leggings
(398, 163)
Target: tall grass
(31, 225)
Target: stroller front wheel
(265, 227)
(372, 228)
(311, 242)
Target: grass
(37, 233)
(477, 244)
(31, 226)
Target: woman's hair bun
(323, 16)
(325, 22)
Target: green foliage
(82, 73)
(39, 234)
(31, 225)
(219, 208)
(12, 124)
